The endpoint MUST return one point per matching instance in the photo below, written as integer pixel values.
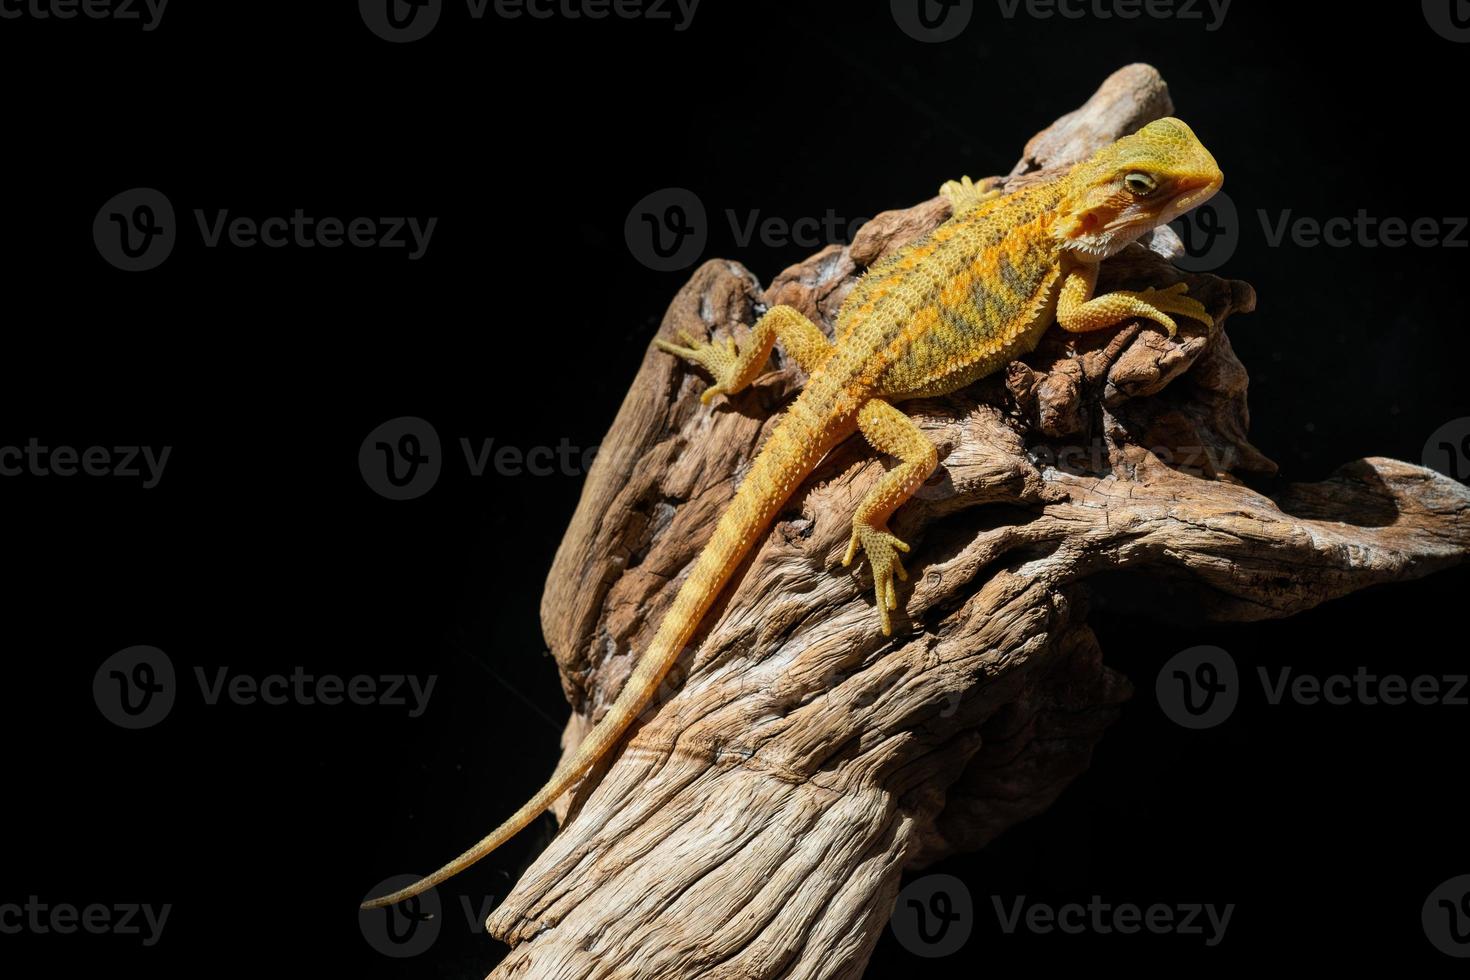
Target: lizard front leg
(1079, 312)
(889, 431)
(735, 369)
(966, 195)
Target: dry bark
(756, 824)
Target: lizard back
(979, 290)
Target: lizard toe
(882, 550)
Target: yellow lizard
(936, 315)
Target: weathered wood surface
(756, 824)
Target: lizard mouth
(1186, 198)
(1192, 197)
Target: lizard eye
(1140, 184)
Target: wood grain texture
(756, 823)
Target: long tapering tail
(793, 450)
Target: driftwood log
(757, 821)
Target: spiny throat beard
(1103, 244)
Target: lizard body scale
(932, 317)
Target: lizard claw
(1175, 299)
(881, 549)
(719, 358)
(964, 194)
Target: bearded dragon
(936, 315)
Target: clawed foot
(719, 358)
(882, 550)
(1174, 299)
(964, 194)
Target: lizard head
(1140, 182)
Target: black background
(262, 549)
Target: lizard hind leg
(889, 431)
(734, 369)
